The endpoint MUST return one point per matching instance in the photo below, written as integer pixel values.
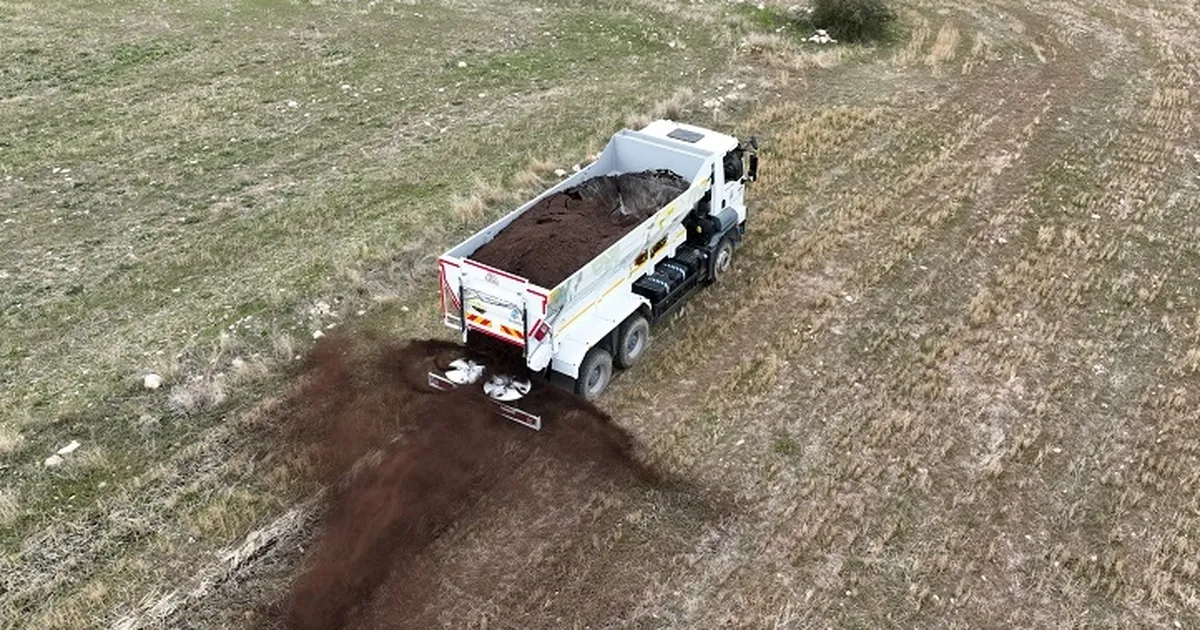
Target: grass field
(951, 382)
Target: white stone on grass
(70, 448)
(152, 381)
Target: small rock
(317, 334)
(360, 313)
(238, 363)
(70, 448)
(152, 381)
(462, 64)
(53, 461)
(576, 168)
(560, 172)
(403, 309)
(345, 86)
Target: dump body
(556, 325)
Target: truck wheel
(595, 374)
(632, 341)
(722, 259)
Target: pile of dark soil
(558, 235)
(405, 461)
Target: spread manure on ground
(402, 462)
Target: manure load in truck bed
(562, 232)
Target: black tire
(722, 259)
(633, 339)
(594, 374)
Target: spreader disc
(463, 371)
(506, 388)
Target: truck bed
(562, 232)
(508, 304)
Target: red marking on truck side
(446, 290)
(545, 299)
(442, 288)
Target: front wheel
(595, 374)
(722, 259)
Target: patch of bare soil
(406, 462)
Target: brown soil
(405, 462)
(559, 234)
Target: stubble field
(950, 383)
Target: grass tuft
(10, 506)
(10, 439)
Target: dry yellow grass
(945, 47)
(10, 438)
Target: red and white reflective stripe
(482, 321)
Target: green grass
(769, 18)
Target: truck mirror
(752, 174)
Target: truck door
(734, 190)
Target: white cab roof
(713, 142)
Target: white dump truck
(599, 318)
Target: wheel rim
(723, 259)
(595, 380)
(633, 347)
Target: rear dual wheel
(633, 338)
(596, 372)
